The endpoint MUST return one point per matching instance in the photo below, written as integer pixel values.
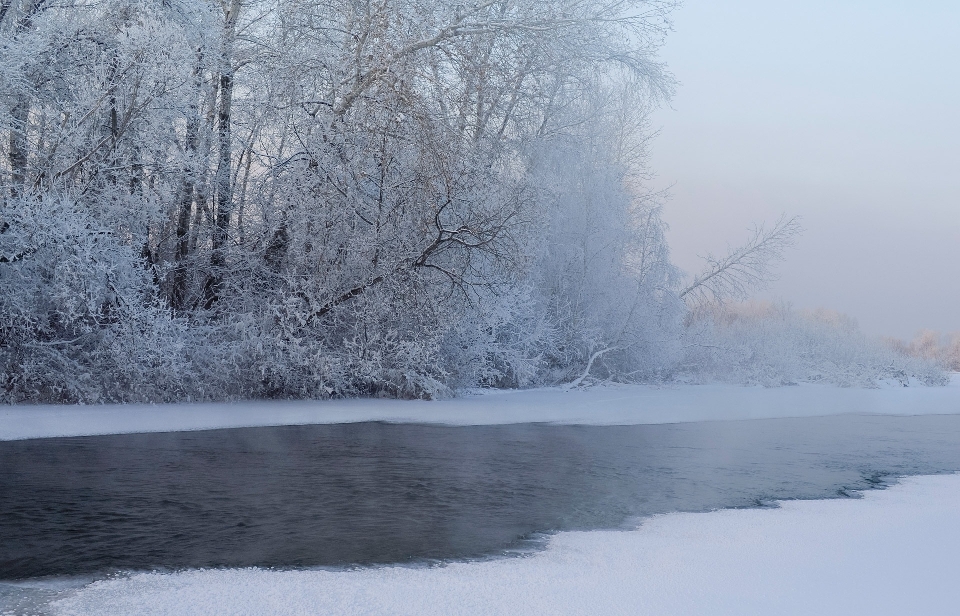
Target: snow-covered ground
(892, 552)
(612, 405)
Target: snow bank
(892, 552)
(614, 405)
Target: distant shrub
(773, 344)
(928, 345)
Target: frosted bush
(772, 345)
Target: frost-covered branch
(746, 268)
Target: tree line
(209, 199)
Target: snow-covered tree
(294, 198)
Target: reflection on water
(338, 495)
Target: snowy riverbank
(611, 405)
(891, 552)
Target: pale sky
(844, 112)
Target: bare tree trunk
(178, 296)
(113, 124)
(4, 7)
(19, 117)
(20, 112)
(182, 251)
(223, 177)
(201, 210)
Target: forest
(234, 199)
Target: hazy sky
(846, 113)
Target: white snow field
(609, 405)
(895, 551)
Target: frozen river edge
(609, 405)
(891, 552)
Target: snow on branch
(746, 268)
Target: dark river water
(366, 493)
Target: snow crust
(612, 405)
(891, 552)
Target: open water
(373, 493)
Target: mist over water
(375, 493)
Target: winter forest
(226, 199)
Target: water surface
(370, 493)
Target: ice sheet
(616, 405)
(892, 552)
